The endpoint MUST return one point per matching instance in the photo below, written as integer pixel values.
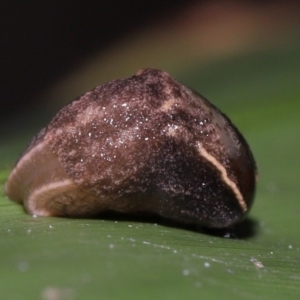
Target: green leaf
(56, 258)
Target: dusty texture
(149, 144)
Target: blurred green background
(242, 56)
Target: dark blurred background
(43, 43)
(41, 40)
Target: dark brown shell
(142, 144)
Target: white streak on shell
(40, 196)
(231, 184)
(35, 172)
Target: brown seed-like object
(145, 144)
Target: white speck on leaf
(23, 266)
(258, 264)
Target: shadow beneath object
(244, 229)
